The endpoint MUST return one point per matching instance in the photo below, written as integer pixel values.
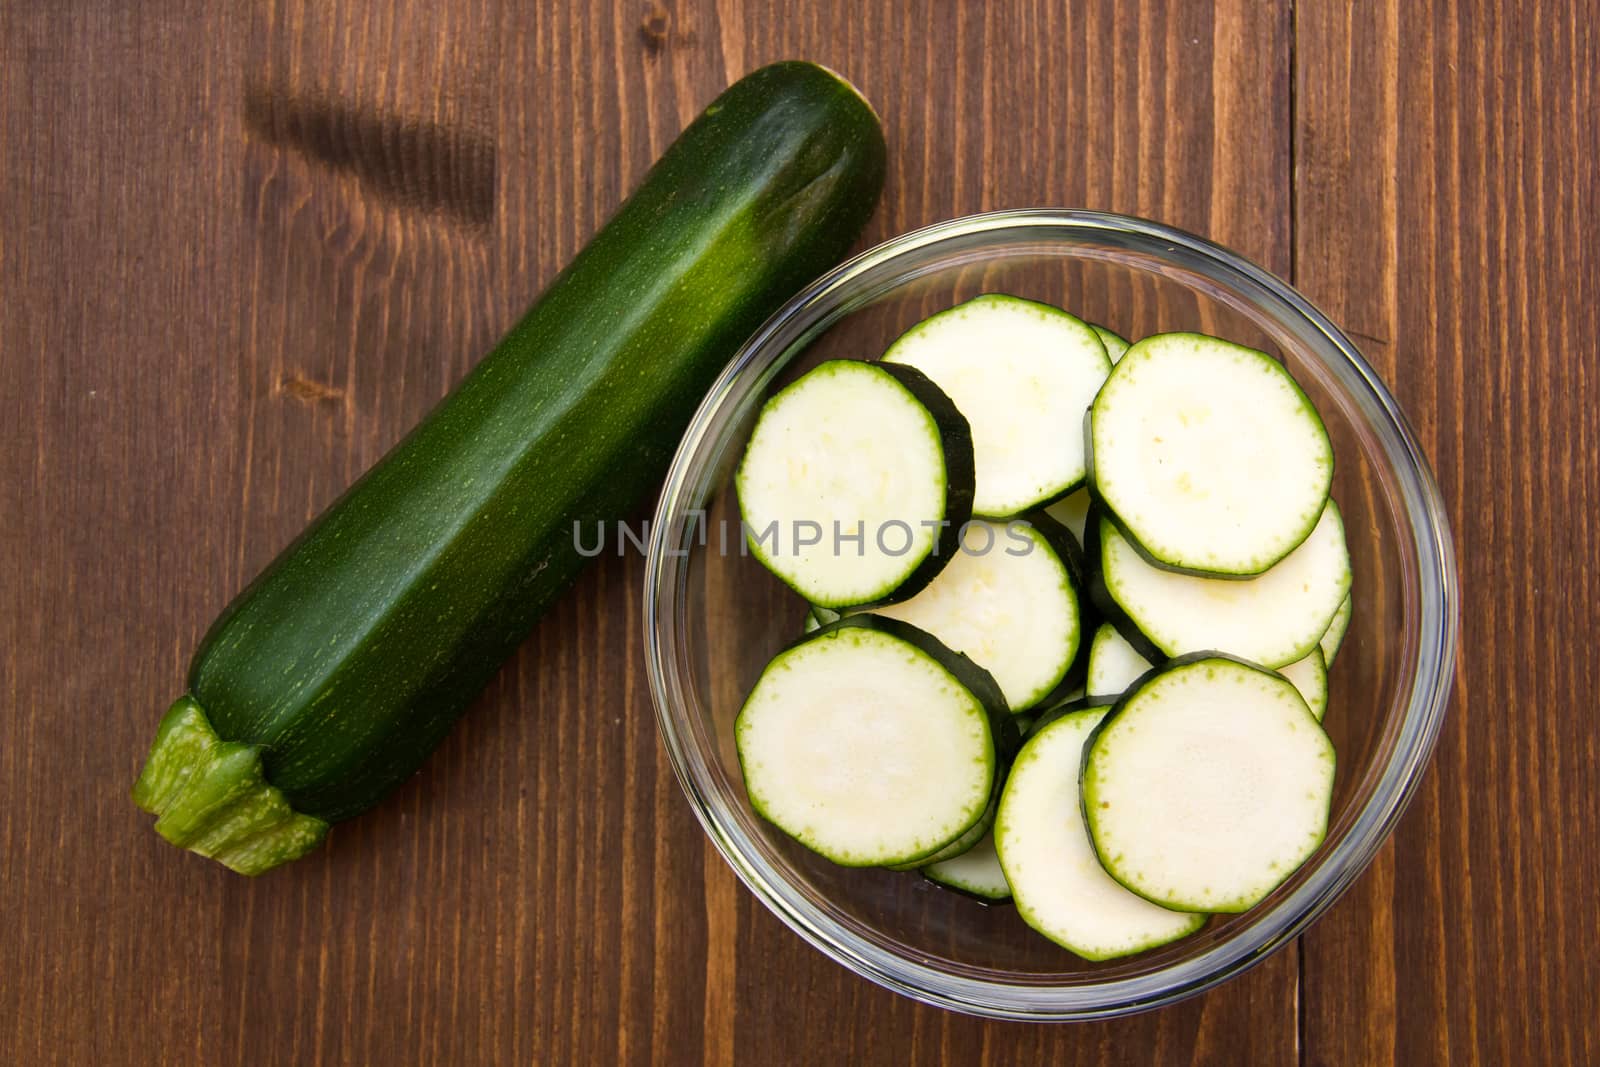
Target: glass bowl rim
(1438, 600)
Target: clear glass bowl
(714, 616)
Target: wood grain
(1445, 214)
(244, 247)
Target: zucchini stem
(210, 796)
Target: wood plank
(241, 251)
(116, 327)
(1445, 180)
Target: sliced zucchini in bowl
(1272, 619)
(871, 743)
(1190, 781)
(1310, 676)
(1071, 706)
(1009, 600)
(1207, 786)
(1056, 878)
(1333, 639)
(855, 483)
(1114, 342)
(967, 839)
(975, 872)
(1114, 664)
(1019, 371)
(1209, 455)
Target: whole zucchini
(332, 676)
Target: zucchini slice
(1100, 599)
(817, 617)
(1273, 619)
(1067, 707)
(1209, 455)
(870, 743)
(969, 837)
(1116, 344)
(1333, 640)
(1056, 879)
(1207, 786)
(976, 872)
(1020, 371)
(856, 482)
(1310, 677)
(1114, 664)
(1008, 600)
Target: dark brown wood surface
(244, 246)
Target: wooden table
(213, 316)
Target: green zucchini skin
(1066, 548)
(348, 659)
(1105, 605)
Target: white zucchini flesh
(967, 839)
(976, 871)
(1334, 638)
(1113, 663)
(864, 748)
(1209, 454)
(1023, 374)
(1072, 511)
(1272, 619)
(1208, 786)
(846, 447)
(1310, 677)
(1056, 879)
(1115, 343)
(1015, 615)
